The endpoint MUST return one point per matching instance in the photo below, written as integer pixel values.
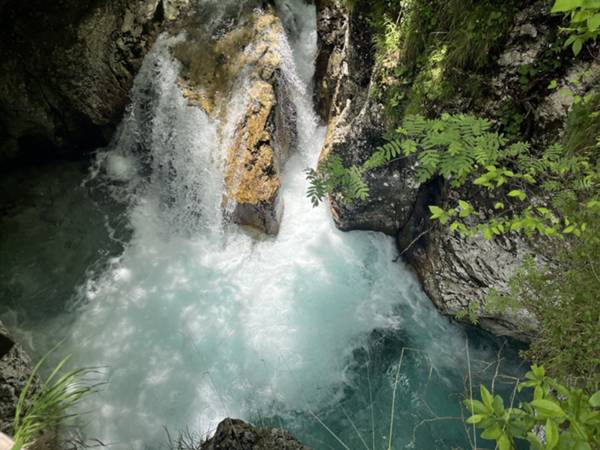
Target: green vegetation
(584, 25)
(558, 417)
(463, 149)
(430, 51)
(42, 409)
(564, 297)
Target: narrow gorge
(156, 229)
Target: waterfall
(198, 319)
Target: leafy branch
(569, 418)
(463, 149)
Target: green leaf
(476, 407)
(436, 212)
(551, 430)
(566, 5)
(548, 408)
(553, 84)
(595, 400)
(504, 442)
(475, 419)
(487, 233)
(538, 371)
(486, 397)
(465, 208)
(409, 147)
(518, 193)
(492, 433)
(498, 405)
(577, 46)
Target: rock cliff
(510, 88)
(66, 69)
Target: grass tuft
(43, 409)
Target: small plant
(584, 16)
(42, 409)
(558, 417)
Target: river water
(192, 319)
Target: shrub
(569, 418)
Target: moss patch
(212, 63)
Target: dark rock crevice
(15, 370)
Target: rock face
(355, 120)
(458, 273)
(252, 176)
(249, 58)
(15, 370)
(66, 69)
(332, 28)
(234, 434)
(264, 137)
(455, 272)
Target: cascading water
(195, 321)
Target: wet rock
(265, 132)
(66, 69)
(15, 370)
(252, 175)
(355, 121)
(332, 24)
(458, 273)
(234, 434)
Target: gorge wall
(66, 71)
(504, 78)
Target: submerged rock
(15, 370)
(234, 434)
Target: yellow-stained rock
(252, 173)
(211, 66)
(266, 130)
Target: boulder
(458, 273)
(234, 434)
(252, 174)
